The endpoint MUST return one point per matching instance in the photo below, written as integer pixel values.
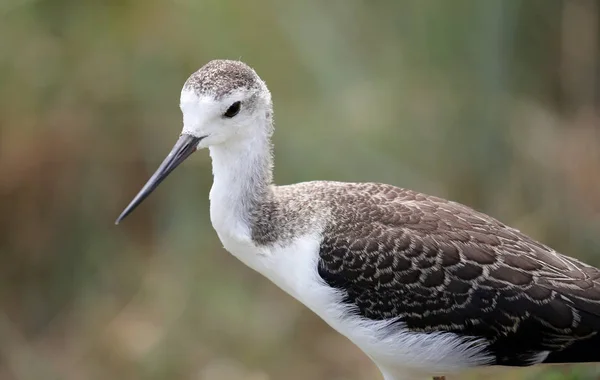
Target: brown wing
(441, 266)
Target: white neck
(242, 171)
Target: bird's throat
(242, 181)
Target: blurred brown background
(493, 103)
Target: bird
(424, 286)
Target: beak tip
(123, 215)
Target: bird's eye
(232, 110)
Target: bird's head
(222, 103)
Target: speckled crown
(221, 77)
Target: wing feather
(441, 266)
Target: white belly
(400, 354)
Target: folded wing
(438, 266)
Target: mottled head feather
(221, 77)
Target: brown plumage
(442, 266)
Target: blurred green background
(493, 103)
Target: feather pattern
(440, 266)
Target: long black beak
(185, 146)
